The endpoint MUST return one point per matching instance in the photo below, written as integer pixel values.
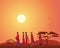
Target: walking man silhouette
(17, 38)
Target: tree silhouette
(40, 38)
(46, 38)
(54, 34)
(10, 41)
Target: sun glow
(21, 18)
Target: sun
(21, 18)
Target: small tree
(46, 35)
(52, 34)
(40, 37)
(46, 38)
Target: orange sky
(41, 15)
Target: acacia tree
(52, 34)
(40, 37)
(46, 35)
(46, 38)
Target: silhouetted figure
(32, 38)
(26, 37)
(23, 39)
(17, 38)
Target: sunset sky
(41, 15)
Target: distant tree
(40, 37)
(52, 34)
(46, 38)
(10, 41)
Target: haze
(41, 15)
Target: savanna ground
(36, 46)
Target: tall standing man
(17, 39)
